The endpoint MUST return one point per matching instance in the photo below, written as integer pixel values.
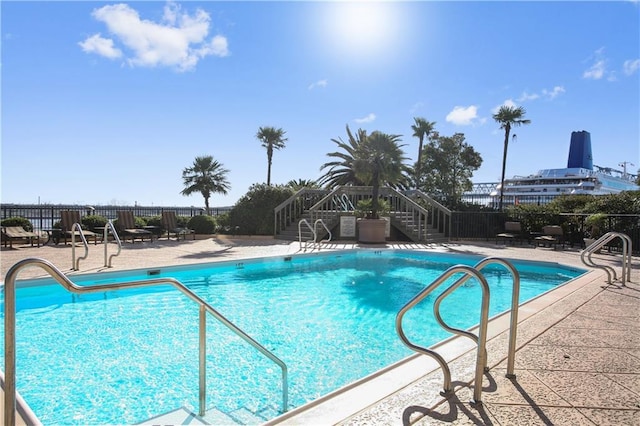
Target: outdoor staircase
(413, 213)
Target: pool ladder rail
(480, 339)
(627, 249)
(314, 232)
(61, 278)
(75, 262)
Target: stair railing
(105, 242)
(439, 215)
(627, 249)
(289, 211)
(61, 278)
(75, 263)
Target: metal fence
(43, 216)
(484, 226)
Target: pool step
(241, 416)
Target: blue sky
(107, 102)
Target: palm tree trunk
(507, 130)
(419, 163)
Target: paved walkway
(578, 357)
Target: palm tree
(421, 130)
(205, 176)
(271, 139)
(341, 171)
(379, 160)
(508, 117)
(299, 184)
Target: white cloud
(528, 97)
(319, 83)
(101, 46)
(507, 103)
(596, 71)
(463, 116)
(415, 107)
(553, 93)
(544, 93)
(631, 66)
(367, 119)
(179, 42)
(598, 68)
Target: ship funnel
(580, 151)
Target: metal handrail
(515, 296)
(105, 241)
(482, 335)
(75, 264)
(312, 229)
(324, 225)
(627, 249)
(204, 307)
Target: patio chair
(10, 233)
(67, 219)
(512, 232)
(126, 226)
(552, 236)
(170, 224)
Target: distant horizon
(107, 102)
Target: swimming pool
(127, 356)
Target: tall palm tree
(421, 130)
(379, 160)
(341, 171)
(508, 117)
(205, 176)
(271, 139)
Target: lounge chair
(126, 226)
(170, 224)
(512, 232)
(67, 230)
(552, 236)
(10, 233)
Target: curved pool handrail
(313, 232)
(105, 241)
(75, 264)
(515, 296)
(482, 335)
(627, 249)
(324, 225)
(62, 279)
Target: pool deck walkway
(578, 347)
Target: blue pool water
(123, 357)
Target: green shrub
(203, 224)
(154, 221)
(18, 221)
(93, 221)
(253, 214)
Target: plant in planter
(378, 160)
(595, 225)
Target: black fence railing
(43, 216)
(486, 225)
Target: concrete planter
(372, 230)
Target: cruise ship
(580, 176)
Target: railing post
(202, 371)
